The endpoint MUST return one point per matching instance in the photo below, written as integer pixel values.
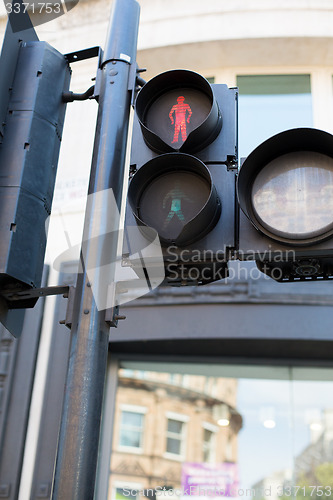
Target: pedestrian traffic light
(285, 191)
(183, 172)
(28, 162)
(182, 187)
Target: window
(131, 429)
(269, 104)
(126, 491)
(281, 428)
(208, 445)
(175, 436)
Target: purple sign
(210, 480)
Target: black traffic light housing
(183, 185)
(183, 173)
(28, 163)
(285, 192)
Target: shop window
(279, 436)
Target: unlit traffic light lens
(177, 197)
(285, 187)
(293, 195)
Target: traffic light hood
(174, 194)
(177, 111)
(285, 187)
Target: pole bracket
(70, 308)
(112, 315)
(21, 298)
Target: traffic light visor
(175, 195)
(285, 186)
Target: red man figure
(180, 111)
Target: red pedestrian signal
(178, 111)
(180, 114)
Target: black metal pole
(75, 471)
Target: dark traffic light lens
(175, 195)
(292, 196)
(285, 187)
(171, 200)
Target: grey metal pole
(75, 471)
(106, 439)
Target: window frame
(126, 485)
(140, 410)
(183, 435)
(213, 429)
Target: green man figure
(176, 195)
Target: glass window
(175, 436)
(269, 104)
(126, 490)
(208, 445)
(279, 435)
(123, 493)
(131, 429)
